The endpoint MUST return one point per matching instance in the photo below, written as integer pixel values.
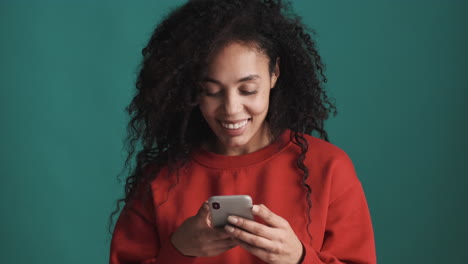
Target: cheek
(259, 106)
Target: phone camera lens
(216, 205)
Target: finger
(224, 243)
(210, 249)
(218, 249)
(209, 219)
(250, 238)
(259, 252)
(252, 226)
(213, 234)
(270, 218)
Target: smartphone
(223, 206)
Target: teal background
(397, 69)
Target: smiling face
(234, 99)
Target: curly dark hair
(166, 123)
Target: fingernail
(255, 209)
(232, 219)
(228, 228)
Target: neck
(261, 139)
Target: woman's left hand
(276, 243)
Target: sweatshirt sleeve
(135, 238)
(349, 236)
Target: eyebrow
(243, 79)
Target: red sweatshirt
(340, 226)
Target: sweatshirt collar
(214, 160)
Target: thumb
(204, 210)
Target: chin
(235, 142)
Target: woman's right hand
(196, 237)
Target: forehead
(236, 60)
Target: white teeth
(235, 126)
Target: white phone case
(225, 205)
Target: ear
(275, 74)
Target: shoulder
(330, 165)
(324, 151)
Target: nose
(232, 104)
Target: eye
(211, 92)
(249, 92)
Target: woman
(228, 94)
